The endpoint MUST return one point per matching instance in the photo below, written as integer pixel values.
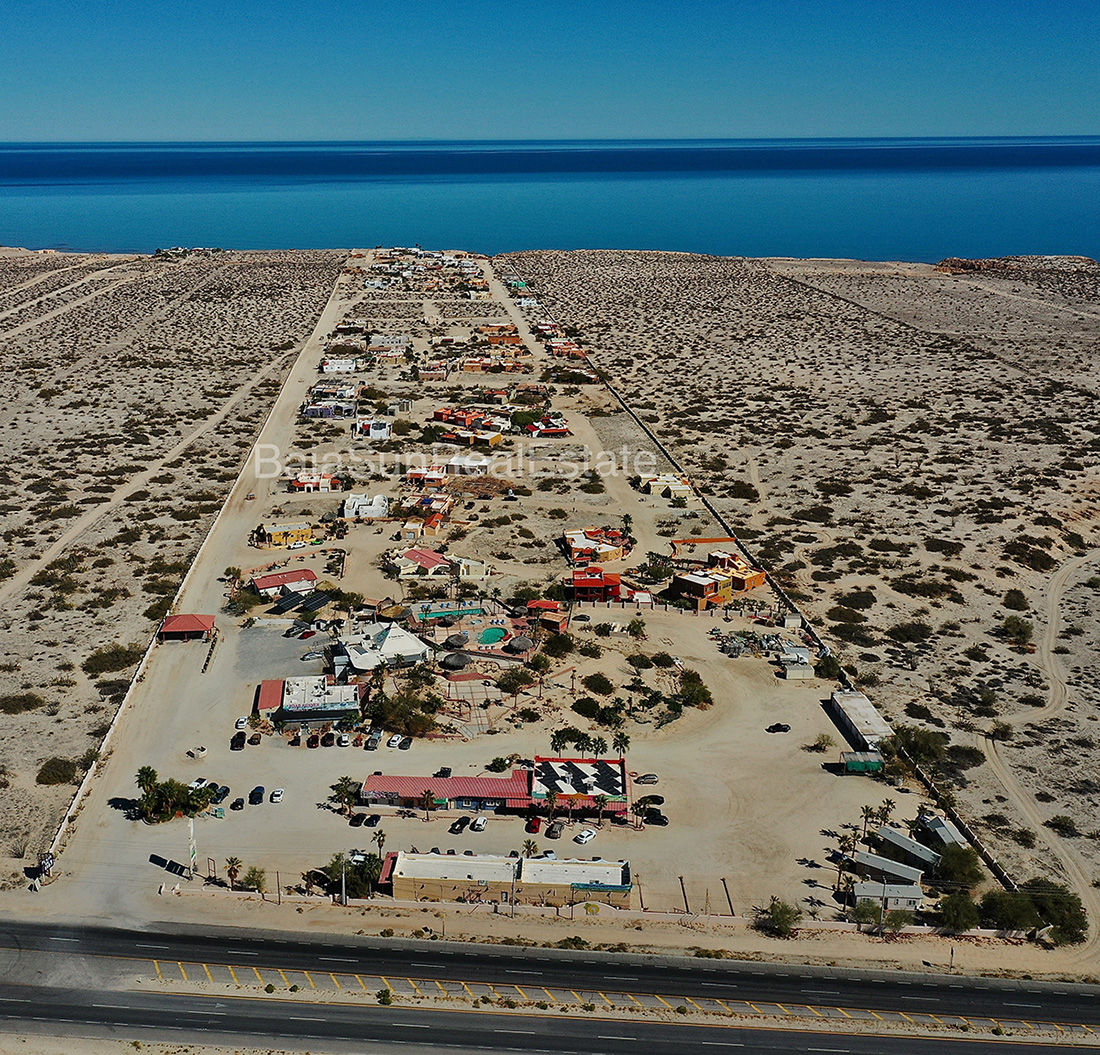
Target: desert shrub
(640, 661)
(558, 645)
(1029, 556)
(944, 546)
(918, 711)
(859, 599)
(57, 771)
(1016, 600)
(962, 756)
(959, 912)
(1063, 825)
(590, 650)
(111, 658)
(498, 765)
(662, 660)
(959, 866)
(1017, 630)
(587, 707)
(18, 702)
(910, 632)
(599, 684)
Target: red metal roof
(271, 695)
(283, 578)
(426, 558)
(514, 787)
(187, 624)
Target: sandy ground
(752, 809)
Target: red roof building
(512, 792)
(270, 697)
(595, 584)
(300, 581)
(186, 628)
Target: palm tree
(427, 797)
(233, 866)
(583, 744)
(558, 740)
(869, 813)
(530, 847)
(600, 802)
(886, 810)
(599, 746)
(620, 742)
(551, 803)
(379, 840)
(146, 779)
(343, 791)
(845, 845)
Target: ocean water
(868, 199)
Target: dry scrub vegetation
(914, 452)
(132, 390)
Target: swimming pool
(492, 634)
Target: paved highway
(886, 991)
(335, 1027)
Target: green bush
(599, 684)
(1016, 600)
(18, 702)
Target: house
(373, 429)
(488, 878)
(186, 628)
(314, 482)
(364, 507)
(437, 371)
(382, 645)
(283, 534)
(942, 829)
(593, 585)
(468, 465)
(861, 761)
(586, 545)
(301, 580)
(889, 896)
(883, 869)
(548, 428)
(668, 485)
(548, 615)
(724, 575)
(913, 851)
(414, 563)
(339, 366)
(427, 503)
(328, 408)
(471, 568)
(430, 478)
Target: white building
(366, 507)
(384, 645)
(372, 429)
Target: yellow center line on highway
(208, 974)
(182, 971)
(336, 981)
(157, 966)
(439, 984)
(753, 1006)
(467, 988)
(312, 984)
(259, 977)
(415, 986)
(809, 1007)
(666, 1003)
(385, 981)
(362, 984)
(690, 1001)
(577, 995)
(283, 977)
(843, 1012)
(906, 1017)
(233, 974)
(878, 1016)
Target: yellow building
(286, 534)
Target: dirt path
(30, 324)
(41, 278)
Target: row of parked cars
(221, 792)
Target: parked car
(372, 820)
(586, 835)
(547, 855)
(254, 739)
(459, 826)
(305, 635)
(256, 795)
(311, 656)
(313, 741)
(443, 772)
(656, 818)
(297, 545)
(237, 804)
(394, 741)
(647, 778)
(555, 830)
(343, 740)
(220, 795)
(479, 824)
(371, 744)
(237, 743)
(778, 727)
(277, 795)
(356, 820)
(533, 826)
(328, 739)
(405, 744)
(198, 782)
(651, 800)
(241, 723)
(582, 618)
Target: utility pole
(192, 849)
(343, 881)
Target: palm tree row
(592, 746)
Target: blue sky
(349, 69)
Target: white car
(297, 545)
(479, 824)
(277, 795)
(241, 723)
(343, 740)
(198, 782)
(585, 836)
(394, 741)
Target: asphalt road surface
(338, 1028)
(887, 991)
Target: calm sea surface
(868, 199)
